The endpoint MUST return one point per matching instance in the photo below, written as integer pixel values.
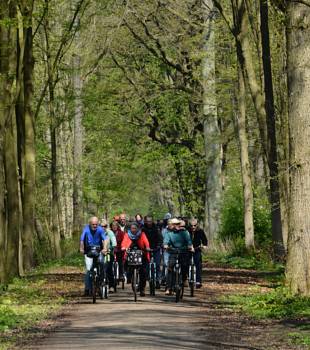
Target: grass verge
(27, 301)
(277, 304)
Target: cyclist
(119, 235)
(123, 222)
(135, 238)
(155, 239)
(92, 235)
(112, 245)
(168, 227)
(139, 220)
(200, 241)
(180, 239)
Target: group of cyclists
(144, 234)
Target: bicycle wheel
(114, 273)
(152, 281)
(101, 290)
(177, 288)
(106, 291)
(94, 287)
(191, 280)
(134, 283)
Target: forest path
(202, 322)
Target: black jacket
(153, 235)
(198, 238)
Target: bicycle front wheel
(178, 286)
(94, 288)
(135, 283)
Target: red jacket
(119, 235)
(142, 243)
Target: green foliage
(232, 225)
(73, 260)
(300, 338)
(278, 303)
(257, 260)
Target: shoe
(198, 285)
(157, 285)
(142, 293)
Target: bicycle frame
(152, 273)
(177, 282)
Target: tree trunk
(78, 152)
(53, 169)
(268, 144)
(211, 129)
(245, 164)
(272, 156)
(298, 50)
(29, 148)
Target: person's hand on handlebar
(104, 251)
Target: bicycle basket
(134, 257)
(93, 252)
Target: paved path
(120, 323)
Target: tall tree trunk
(298, 50)
(245, 163)
(29, 147)
(13, 204)
(211, 129)
(78, 151)
(9, 95)
(271, 132)
(53, 126)
(260, 108)
(55, 219)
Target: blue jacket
(93, 238)
(177, 239)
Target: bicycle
(192, 275)
(134, 261)
(119, 277)
(152, 273)
(177, 281)
(97, 274)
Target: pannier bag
(134, 257)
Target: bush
(232, 225)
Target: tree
(298, 49)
